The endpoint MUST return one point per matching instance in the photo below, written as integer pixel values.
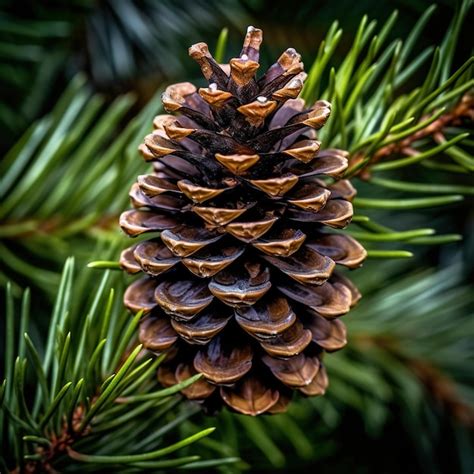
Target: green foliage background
(80, 84)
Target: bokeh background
(402, 393)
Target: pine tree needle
(392, 236)
(437, 239)
(166, 392)
(178, 462)
(389, 254)
(54, 405)
(108, 392)
(411, 160)
(37, 440)
(421, 187)
(221, 45)
(401, 204)
(104, 264)
(132, 458)
(210, 463)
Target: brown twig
(464, 109)
(70, 434)
(444, 391)
(60, 443)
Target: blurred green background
(401, 396)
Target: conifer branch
(81, 387)
(433, 129)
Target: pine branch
(45, 218)
(82, 384)
(432, 129)
(373, 118)
(374, 79)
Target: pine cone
(240, 282)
